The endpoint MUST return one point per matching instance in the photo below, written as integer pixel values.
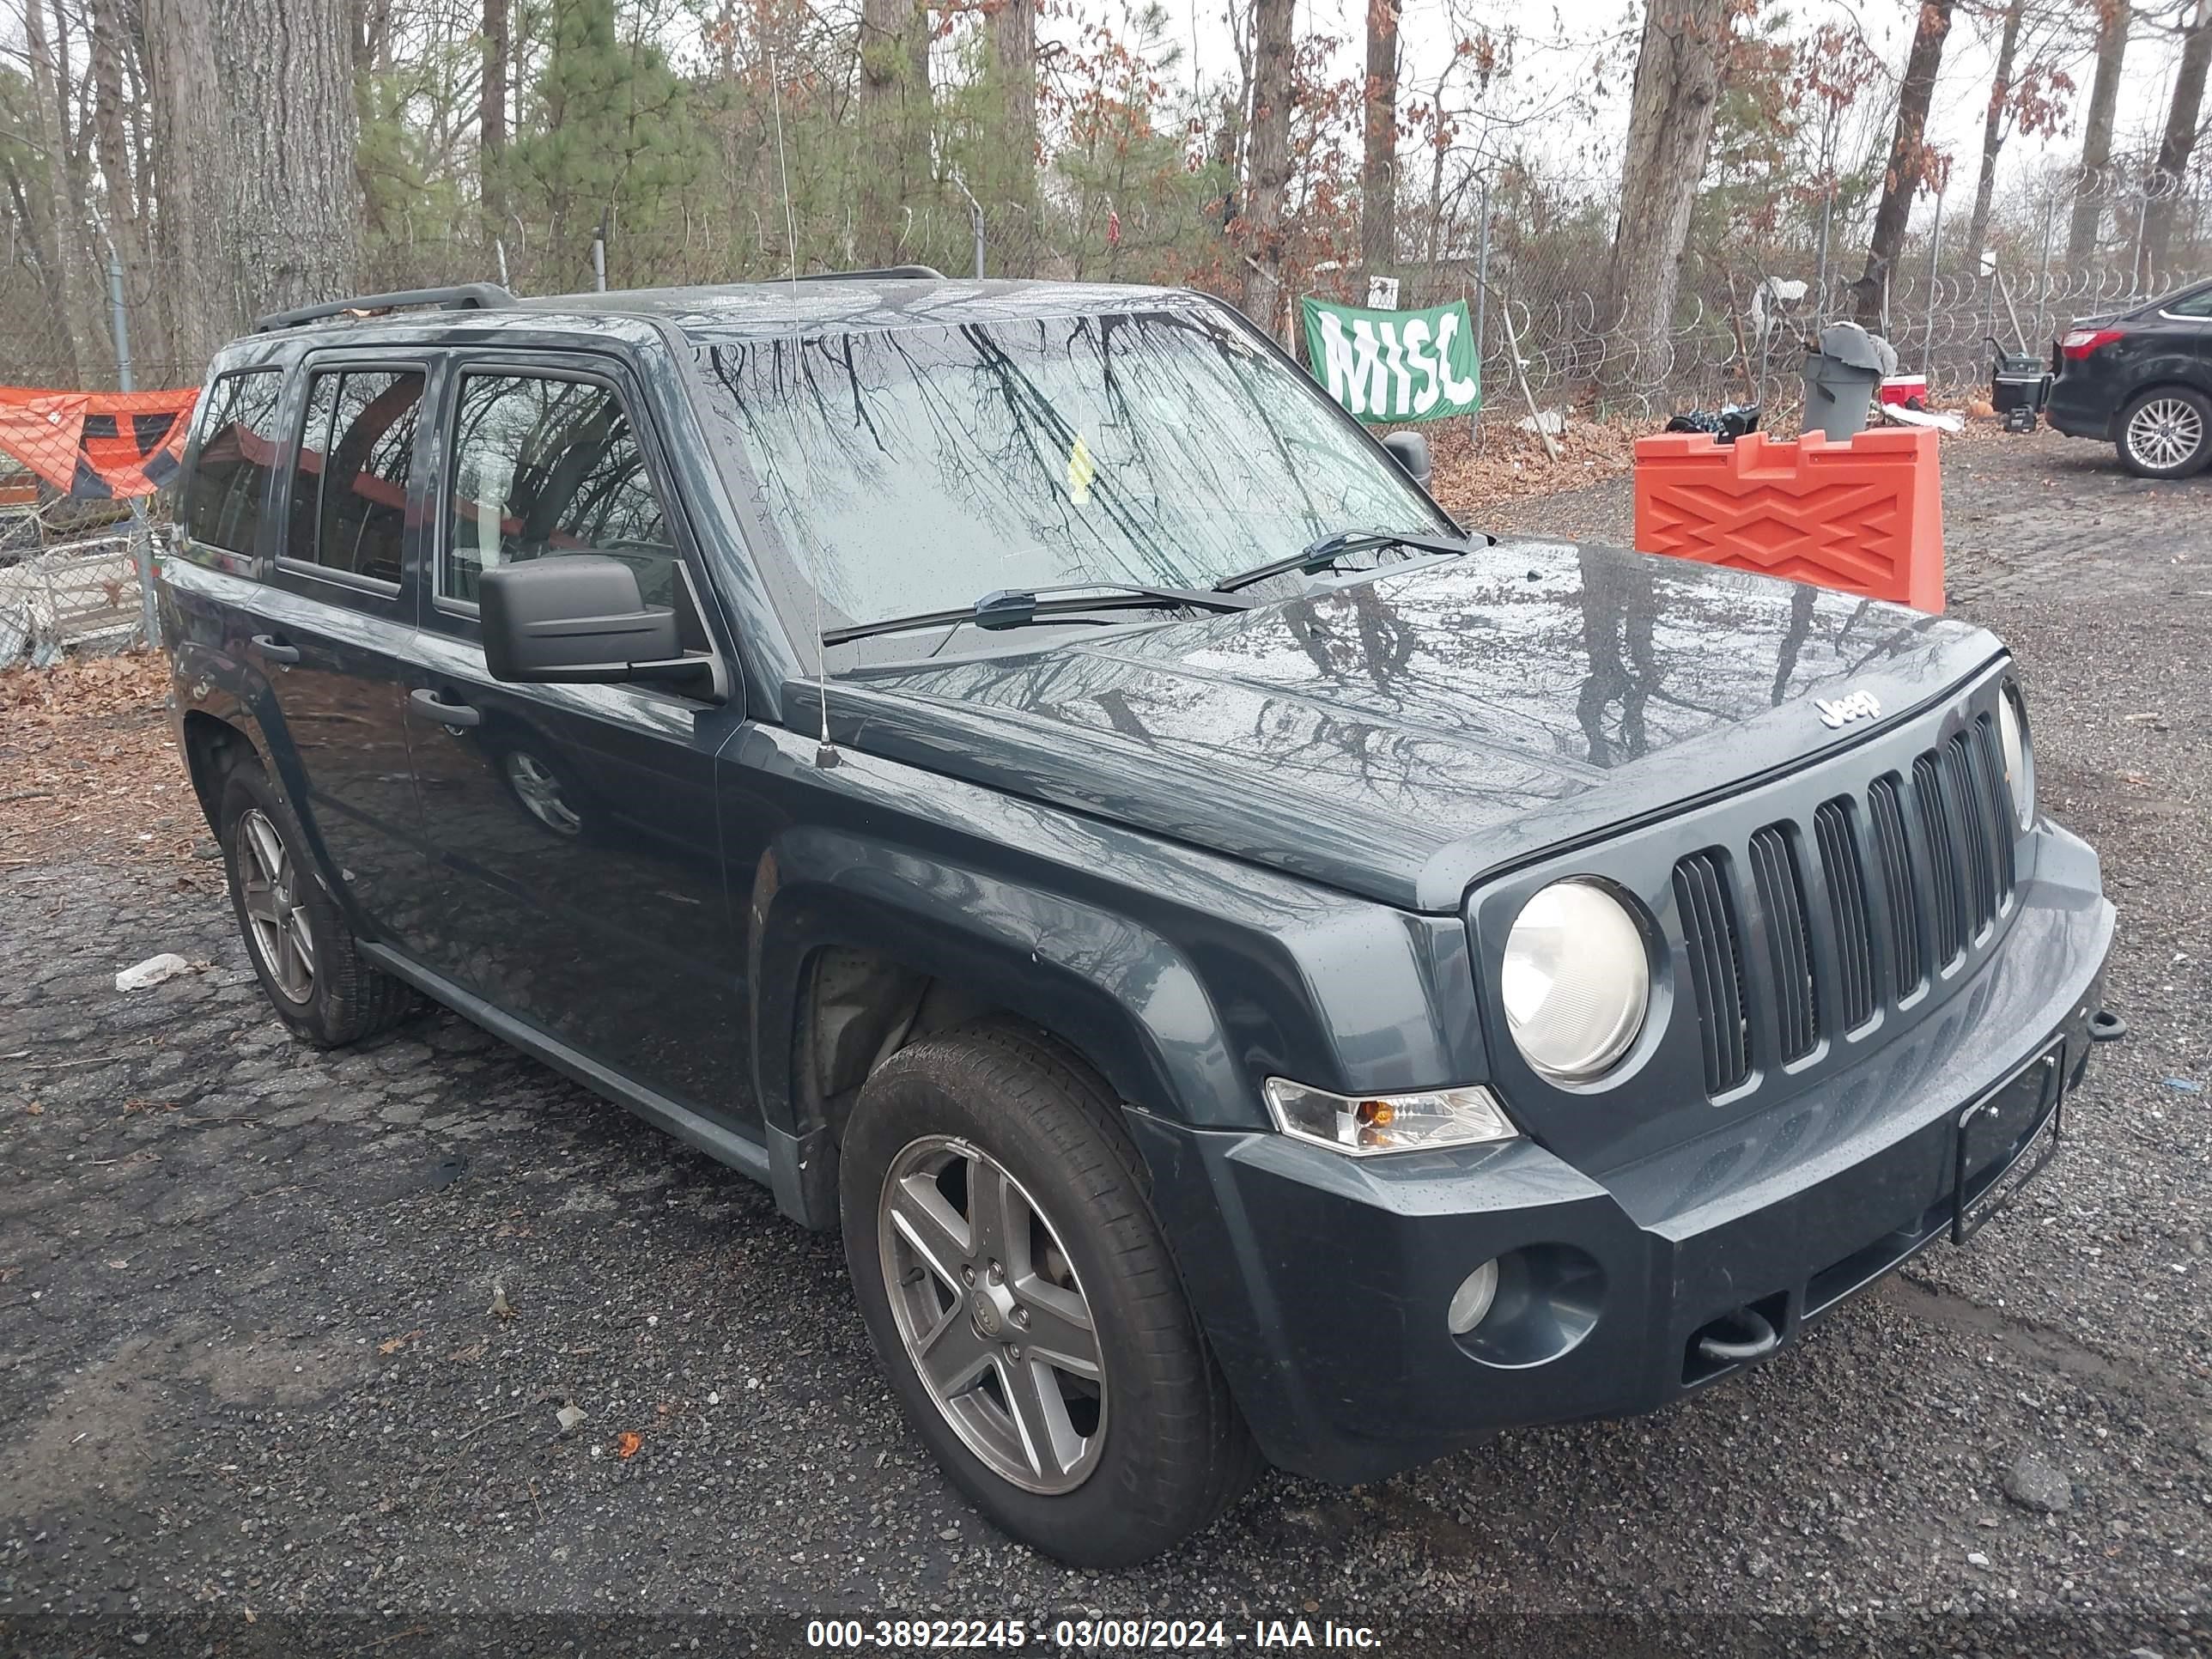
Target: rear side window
(238, 449)
(543, 467)
(2199, 304)
(349, 488)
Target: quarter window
(237, 449)
(544, 467)
(349, 487)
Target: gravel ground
(259, 1399)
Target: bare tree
(2113, 20)
(1378, 170)
(256, 126)
(1268, 164)
(2178, 142)
(1670, 129)
(1908, 158)
(1993, 129)
(61, 256)
(894, 102)
(491, 117)
(1013, 59)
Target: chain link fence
(1527, 254)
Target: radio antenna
(825, 752)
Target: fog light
(1472, 1300)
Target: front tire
(2166, 433)
(1020, 1294)
(302, 951)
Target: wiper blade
(1322, 553)
(1017, 607)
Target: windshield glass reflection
(911, 470)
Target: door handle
(424, 705)
(274, 649)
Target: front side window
(229, 482)
(543, 467)
(349, 487)
(913, 469)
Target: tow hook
(2106, 1026)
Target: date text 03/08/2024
(1087, 1635)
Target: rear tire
(1069, 1261)
(2166, 433)
(305, 956)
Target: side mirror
(1411, 451)
(576, 618)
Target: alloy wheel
(2164, 432)
(537, 787)
(991, 1314)
(277, 917)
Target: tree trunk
(1013, 60)
(1268, 160)
(2090, 187)
(1907, 157)
(65, 272)
(1993, 133)
(1670, 129)
(891, 122)
(491, 118)
(2174, 148)
(256, 125)
(1378, 172)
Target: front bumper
(1322, 1281)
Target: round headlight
(2019, 758)
(1576, 981)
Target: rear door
(325, 457)
(572, 828)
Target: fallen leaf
(626, 1444)
(474, 1351)
(395, 1344)
(499, 1308)
(35, 1109)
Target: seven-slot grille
(1899, 884)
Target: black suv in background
(1254, 970)
(2141, 380)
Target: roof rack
(917, 273)
(463, 296)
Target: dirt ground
(259, 1397)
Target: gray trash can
(1840, 377)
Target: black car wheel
(1019, 1293)
(302, 951)
(2166, 433)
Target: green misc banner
(1392, 367)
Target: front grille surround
(1941, 834)
(1864, 894)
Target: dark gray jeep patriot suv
(1254, 970)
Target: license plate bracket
(2025, 1114)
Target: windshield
(917, 469)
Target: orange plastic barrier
(1865, 516)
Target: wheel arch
(211, 745)
(856, 951)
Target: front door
(572, 828)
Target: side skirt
(718, 1142)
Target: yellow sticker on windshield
(1081, 469)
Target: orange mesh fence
(97, 446)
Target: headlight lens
(1576, 980)
(1362, 1125)
(2019, 758)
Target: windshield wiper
(1017, 607)
(1322, 553)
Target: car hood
(1399, 735)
